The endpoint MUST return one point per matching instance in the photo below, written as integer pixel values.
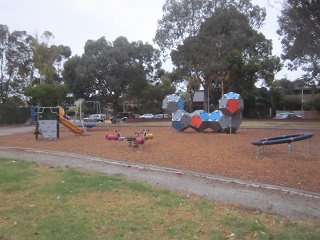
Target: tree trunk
(114, 119)
(206, 97)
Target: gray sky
(73, 22)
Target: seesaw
(134, 141)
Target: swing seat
(89, 125)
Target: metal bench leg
(289, 149)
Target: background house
(198, 100)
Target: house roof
(198, 96)
(300, 85)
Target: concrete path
(15, 130)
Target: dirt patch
(221, 154)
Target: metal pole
(208, 100)
(289, 149)
(58, 121)
(302, 99)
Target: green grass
(41, 202)
(269, 123)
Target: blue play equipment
(282, 139)
(227, 119)
(89, 125)
(215, 115)
(289, 139)
(46, 121)
(181, 120)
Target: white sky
(73, 22)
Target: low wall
(133, 120)
(306, 114)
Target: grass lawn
(41, 202)
(293, 124)
(259, 123)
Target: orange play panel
(233, 105)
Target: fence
(306, 114)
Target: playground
(230, 155)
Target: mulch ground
(214, 153)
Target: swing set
(91, 121)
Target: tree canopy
(26, 62)
(106, 71)
(299, 27)
(182, 18)
(16, 65)
(47, 59)
(227, 53)
(215, 44)
(47, 94)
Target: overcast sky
(73, 22)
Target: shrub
(313, 104)
(13, 114)
(290, 103)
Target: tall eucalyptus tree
(227, 54)
(183, 18)
(300, 32)
(109, 71)
(194, 34)
(16, 65)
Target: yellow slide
(73, 128)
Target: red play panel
(196, 120)
(233, 105)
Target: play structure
(73, 128)
(134, 141)
(289, 139)
(47, 121)
(226, 119)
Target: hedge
(13, 114)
